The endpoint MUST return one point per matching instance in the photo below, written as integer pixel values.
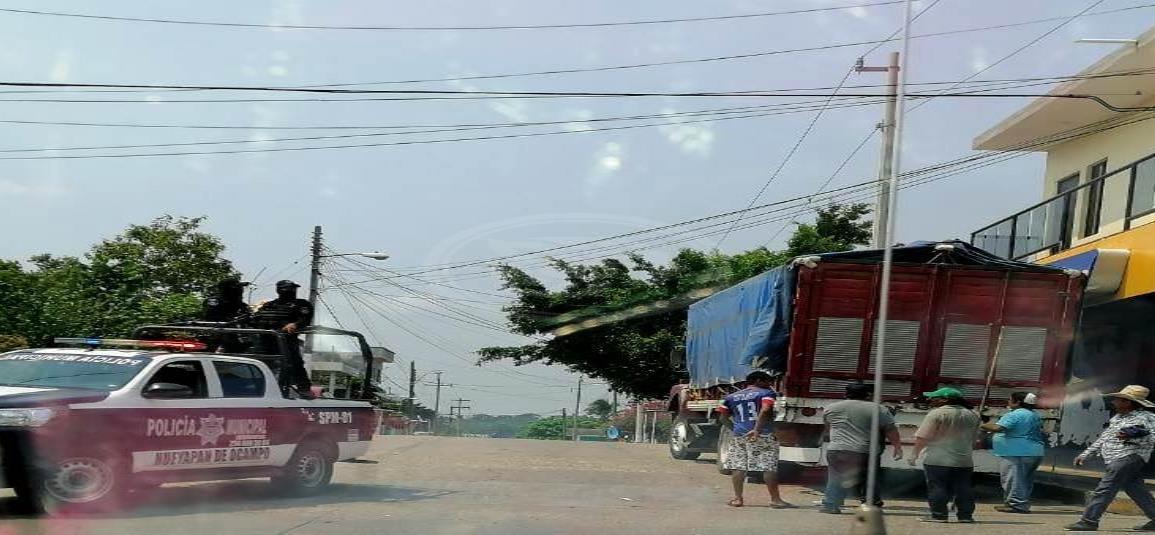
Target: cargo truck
(958, 317)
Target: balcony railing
(1101, 207)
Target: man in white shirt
(1125, 447)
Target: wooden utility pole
(564, 424)
(459, 407)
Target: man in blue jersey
(751, 413)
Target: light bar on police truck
(175, 345)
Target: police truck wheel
(79, 484)
(725, 435)
(309, 471)
(680, 440)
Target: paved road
(434, 485)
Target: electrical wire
(912, 178)
(514, 374)
(1020, 49)
(789, 155)
(724, 58)
(715, 18)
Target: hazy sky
(438, 203)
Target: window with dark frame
(1066, 215)
(1094, 198)
(240, 380)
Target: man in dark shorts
(751, 413)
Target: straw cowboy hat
(1135, 393)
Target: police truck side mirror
(167, 391)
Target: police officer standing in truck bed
(289, 315)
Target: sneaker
(933, 519)
(829, 511)
(1149, 526)
(966, 521)
(1082, 525)
(1009, 509)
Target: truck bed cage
(271, 347)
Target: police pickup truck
(83, 428)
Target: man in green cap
(947, 434)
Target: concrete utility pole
(577, 408)
(412, 389)
(639, 423)
(436, 404)
(315, 267)
(886, 161)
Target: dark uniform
(281, 312)
(227, 303)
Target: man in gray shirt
(948, 434)
(848, 426)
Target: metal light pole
(868, 520)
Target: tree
(555, 427)
(619, 320)
(154, 273)
(837, 228)
(600, 409)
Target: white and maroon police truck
(82, 428)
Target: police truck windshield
(59, 370)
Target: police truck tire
(79, 484)
(309, 470)
(725, 435)
(680, 440)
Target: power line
(1025, 46)
(723, 58)
(447, 28)
(387, 144)
(614, 237)
(718, 114)
(789, 155)
(920, 176)
(514, 374)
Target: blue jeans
(846, 470)
(1018, 478)
(1125, 475)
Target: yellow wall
(1140, 275)
(1120, 146)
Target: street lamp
(315, 272)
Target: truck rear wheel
(309, 470)
(680, 440)
(725, 435)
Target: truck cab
(82, 428)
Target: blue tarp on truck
(749, 323)
(727, 332)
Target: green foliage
(837, 228)
(556, 428)
(621, 319)
(600, 409)
(151, 273)
(10, 342)
(502, 426)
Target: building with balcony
(1097, 215)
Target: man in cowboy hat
(1125, 447)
